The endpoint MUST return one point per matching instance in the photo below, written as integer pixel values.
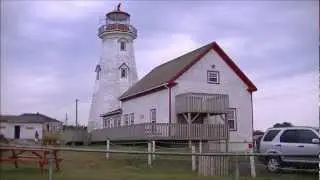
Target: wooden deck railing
(202, 103)
(163, 131)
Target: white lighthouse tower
(116, 70)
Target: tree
(258, 132)
(284, 124)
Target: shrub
(3, 139)
(51, 138)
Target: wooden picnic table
(39, 155)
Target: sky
(49, 50)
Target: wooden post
(237, 174)
(227, 140)
(200, 157)
(56, 160)
(50, 165)
(108, 149)
(189, 129)
(319, 164)
(193, 150)
(14, 155)
(149, 155)
(252, 165)
(153, 149)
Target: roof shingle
(27, 118)
(168, 72)
(164, 72)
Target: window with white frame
(131, 116)
(153, 115)
(232, 119)
(213, 77)
(126, 119)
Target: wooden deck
(162, 131)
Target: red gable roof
(227, 60)
(167, 73)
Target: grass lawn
(93, 166)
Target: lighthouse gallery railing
(112, 27)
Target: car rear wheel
(273, 164)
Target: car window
(289, 136)
(306, 136)
(271, 135)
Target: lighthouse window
(123, 72)
(122, 46)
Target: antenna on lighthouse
(118, 7)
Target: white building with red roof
(200, 96)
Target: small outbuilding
(27, 125)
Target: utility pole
(77, 100)
(66, 120)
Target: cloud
(292, 99)
(49, 50)
(63, 10)
(166, 48)
(24, 87)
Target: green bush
(51, 138)
(3, 139)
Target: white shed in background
(26, 126)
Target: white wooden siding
(27, 130)
(141, 106)
(195, 80)
(7, 130)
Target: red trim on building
(227, 60)
(224, 57)
(187, 67)
(234, 67)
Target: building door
(17, 132)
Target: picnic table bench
(39, 155)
